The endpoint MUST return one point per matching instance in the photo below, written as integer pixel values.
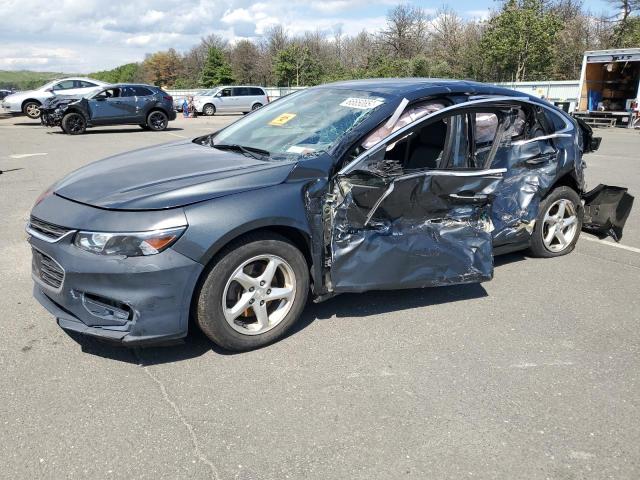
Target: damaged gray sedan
(347, 187)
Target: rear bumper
(172, 114)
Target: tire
(236, 326)
(31, 109)
(545, 241)
(74, 123)
(157, 120)
(256, 106)
(209, 110)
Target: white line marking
(25, 155)
(176, 135)
(611, 244)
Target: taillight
(268, 99)
(168, 98)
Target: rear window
(256, 91)
(142, 91)
(555, 121)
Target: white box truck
(609, 83)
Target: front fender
(215, 223)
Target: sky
(81, 36)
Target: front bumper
(131, 300)
(6, 107)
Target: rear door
(241, 100)
(414, 211)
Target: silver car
(239, 99)
(29, 102)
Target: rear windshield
(303, 123)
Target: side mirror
(101, 99)
(49, 90)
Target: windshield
(211, 92)
(303, 123)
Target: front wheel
(74, 123)
(32, 110)
(558, 224)
(157, 121)
(254, 293)
(209, 110)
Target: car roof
(413, 88)
(133, 85)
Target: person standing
(185, 108)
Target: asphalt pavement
(534, 375)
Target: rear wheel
(31, 109)
(74, 123)
(209, 110)
(254, 293)
(157, 120)
(558, 224)
(256, 106)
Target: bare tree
(406, 31)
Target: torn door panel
(424, 232)
(606, 209)
(532, 167)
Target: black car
(346, 187)
(121, 104)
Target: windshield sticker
(298, 149)
(282, 119)
(362, 103)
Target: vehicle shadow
(102, 131)
(342, 306)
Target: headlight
(128, 244)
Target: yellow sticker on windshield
(282, 119)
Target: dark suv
(346, 187)
(120, 104)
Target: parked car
(346, 187)
(238, 99)
(29, 102)
(4, 93)
(121, 104)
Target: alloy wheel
(259, 294)
(560, 225)
(32, 110)
(75, 124)
(157, 121)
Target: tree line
(522, 40)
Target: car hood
(167, 176)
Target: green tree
(216, 70)
(519, 40)
(294, 65)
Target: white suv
(240, 99)
(29, 102)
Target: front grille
(49, 230)
(47, 269)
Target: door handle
(477, 198)
(538, 159)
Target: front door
(414, 211)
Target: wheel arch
(566, 180)
(288, 230)
(27, 100)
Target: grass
(26, 80)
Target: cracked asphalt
(533, 375)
